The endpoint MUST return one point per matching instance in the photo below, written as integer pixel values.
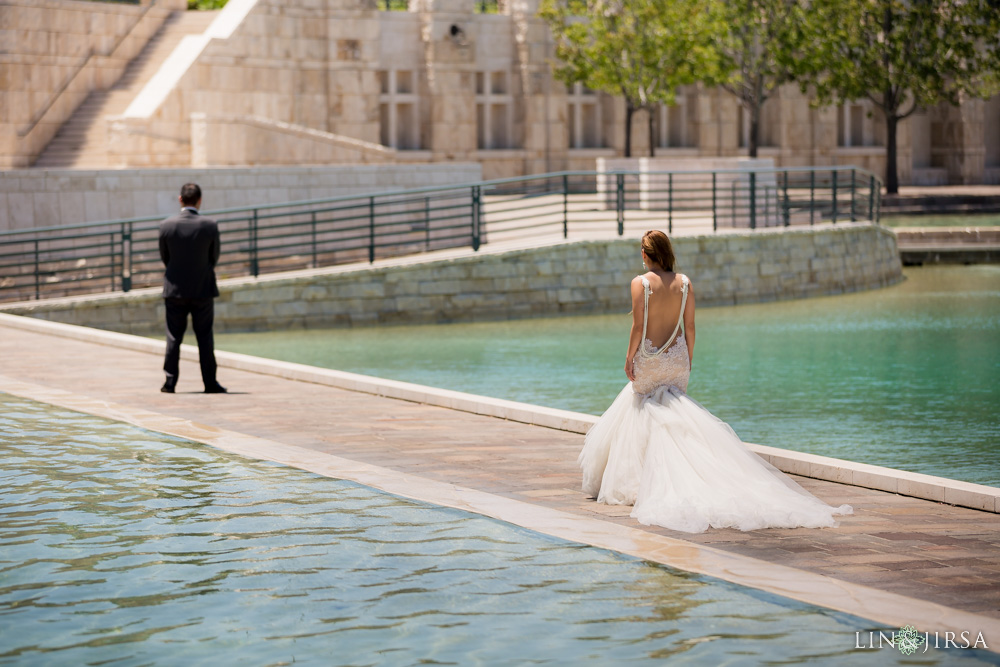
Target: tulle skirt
(683, 468)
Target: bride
(659, 450)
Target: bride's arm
(689, 323)
(633, 339)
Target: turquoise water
(906, 377)
(120, 546)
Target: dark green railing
(124, 254)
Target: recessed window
(399, 117)
(494, 110)
(584, 117)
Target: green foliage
(206, 5)
(758, 45)
(486, 7)
(639, 49)
(903, 55)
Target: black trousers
(202, 313)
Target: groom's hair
(657, 247)
(190, 194)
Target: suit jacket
(189, 248)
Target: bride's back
(664, 305)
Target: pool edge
(916, 485)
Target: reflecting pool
(121, 546)
(906, 377)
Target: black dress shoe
(215, 389)
(167, 388)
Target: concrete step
(939, 204)
(82, 140)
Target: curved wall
(564, 278)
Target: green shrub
(206, 4)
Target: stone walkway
(921, 549)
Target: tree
(757, 46)
(902, 55)
(639, 49)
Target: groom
(189, 248)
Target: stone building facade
(345, 81)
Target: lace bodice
(669, 365)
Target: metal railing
(124, 254)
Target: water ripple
(121, 547)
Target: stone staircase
(82, 142)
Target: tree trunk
(891, 177)
(754, 129)
(890, 106)
(629, 110)
(652, 136)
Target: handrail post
(812, 197)
(620, 202)
(788, 213)
(565, 184)
(37, 276)
(871, 198)
(753, 200)
(767, 206)
(111, 252)
(126, 256)
(834, 196)
(732, 201)
(715, 211)
(670, 203)
(254, 265)
(315, 260)
(427, 223)
(853, 214)
(371, 229)
(476, 213)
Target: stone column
(447, 32)
(543, 101)
(964, 150)
(352, 76)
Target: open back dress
(680, 466)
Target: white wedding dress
(679, 465)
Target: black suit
(189, 248)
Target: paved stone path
(918, 548)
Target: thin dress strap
(645, 314)
(646, 289)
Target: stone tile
(910, 565)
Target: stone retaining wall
(572, 277)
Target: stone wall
(565, 278)
(234, 141)
(54, 54)
(44, 198)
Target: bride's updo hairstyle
(657, 247)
